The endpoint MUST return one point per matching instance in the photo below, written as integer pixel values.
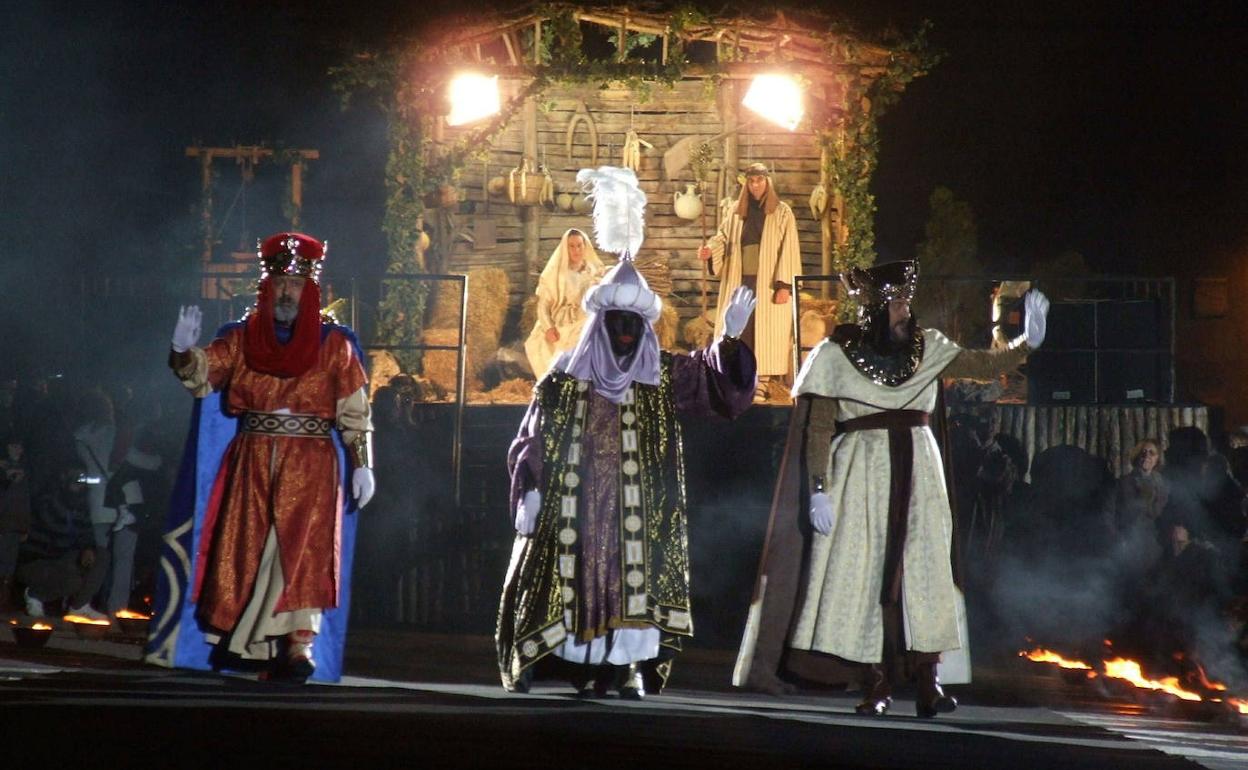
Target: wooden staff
(701, 196)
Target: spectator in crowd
(60, 560)
(1141, 494)
(128, 493)
(1000, 489)
(94, 435)
(14, 511)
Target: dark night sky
(1116, 131)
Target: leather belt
(890, 420)
(270, 424)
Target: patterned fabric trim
(271, 424)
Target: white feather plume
(619, 203)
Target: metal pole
(456, 440)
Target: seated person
(573, 267)
(59, 558)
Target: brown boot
(877, 691)
(930, 699)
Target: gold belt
(271, 424)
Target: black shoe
(630, 683)
(876, 692)
(930, 699)
(874, 707)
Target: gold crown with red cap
(291, 254)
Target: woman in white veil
(572, 269)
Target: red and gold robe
(289, 484)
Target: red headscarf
(260, 346)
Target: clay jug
(688, 204)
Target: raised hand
(737, 314)
(1035, 313)
(186, 332)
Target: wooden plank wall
(667, 116)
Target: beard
(285, 311)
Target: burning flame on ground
(85, 620)
(1131, 671)
(1121, 668)
(41, 627)
(131, 615)
(1041, 655)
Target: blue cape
(175, 638)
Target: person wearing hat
(878, 596)
(757, 246)
(598, 586)
(281, 451)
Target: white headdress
(618, 228)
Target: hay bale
(813, 327)
(488, 289)
(665, 328)
(383, 367)
(697, 332)
(514, 391)
(440, 365)
(444, 310)
(487, 311)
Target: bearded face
(624, 328)
(287, 289)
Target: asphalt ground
(429, 700)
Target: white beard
(285, 313)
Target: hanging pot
(689, 203)
(529, 186)
(818, 201)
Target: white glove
(363, 485)
(526, 512)
(1035, 313)
(186, 333)
(821, 516)
(737, 314)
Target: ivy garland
(851, 142)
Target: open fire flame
(41, 627)
(131, 615)
(85, 620)
(1130, 671)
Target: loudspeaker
(1061, 377)
(1071, 326)
(1132, 323)
(1127, 376)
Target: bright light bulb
(777, 98)
(473, 97)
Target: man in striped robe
(757, 246)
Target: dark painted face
(624, 327)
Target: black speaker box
(1133, 323)
(1071, 326)
(1061, 377)
(1129, 376)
